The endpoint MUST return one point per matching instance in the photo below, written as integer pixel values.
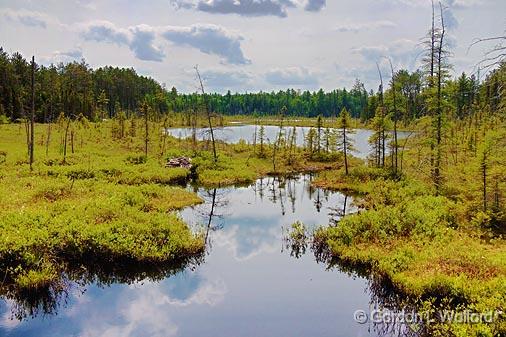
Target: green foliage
(96, 94)
(397, 212)
(442, 247)
(95, 206)
(4, 119)
(136, 160)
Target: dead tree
(208, 113)
(395, 118)
(381, 140)
(32, 116)
(439, 112)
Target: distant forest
(75, 89)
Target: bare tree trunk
(211, 214)
(208, 112)
(484, 178)
(146, 130)
(395, 119)
(32, 116)
(437, 168)
(277, 141)
(72, 140)
(382, 131)
(431, 79)
(65, 141)
(48, 139)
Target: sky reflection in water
(246, 287)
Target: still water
(248, 285)
(233, 134)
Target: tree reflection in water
(76, 276)
(286, 193)
(215, 201)
(383, 295)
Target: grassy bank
(103, 202)
(420, 243)
(438, 249)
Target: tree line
(73, 89)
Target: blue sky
(246, 45)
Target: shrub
(137, 160)
(4, 119)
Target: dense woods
(75, 88)
(72, 89)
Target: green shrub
(4, 119)
(137, 160)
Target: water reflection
(246, 287)
(384, 298)
(250, 218)
(25, 303)
(233, 134)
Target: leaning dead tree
(208, 113)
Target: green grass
(101, 203)
(424, 246)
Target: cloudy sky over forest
(246, 45)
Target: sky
(247, 45)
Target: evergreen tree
(345, 142)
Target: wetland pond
(233, 134)
(249, 283)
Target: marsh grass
(104, 202)
(425, 245)
(106, 199)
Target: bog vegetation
(83, 175)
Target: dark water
(248, 285)
(233, 134)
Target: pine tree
(261, 141)
(311, 142)
(319, 133)
(345, 142)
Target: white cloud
(223, 80)
(292, 76)
(249, 8)
(140, 39)
(149, 313)
(27, 18)
(75, 54)
(142, 44)
(209, 39)
(104, 31)
(315, 5)
(358, 27)
(403, 52)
